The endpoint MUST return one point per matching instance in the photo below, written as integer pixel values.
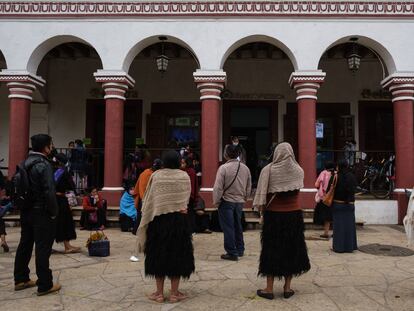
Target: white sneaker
(134, 259)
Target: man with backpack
(231, 190)
(35, 195)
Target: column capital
(114, 83)
(401, 85)
(210, 83)
(306, 83)
(21, 84)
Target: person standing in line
(139, 193)
(231, 190)
(284, 253)
(164, 233)
(65, 229)
(38, 222)
(343, 210)
(5, 207)
(323, 213)
(242, 152)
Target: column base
(112, 195)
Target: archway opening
(255, 99)
(353, 111)
(163, 109)
(62, 108)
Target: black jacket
(42, 183)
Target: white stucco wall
(25, 42)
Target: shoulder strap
(234, 179)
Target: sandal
(265, 295)
(6, 248)
(156, 297)
(288, 294)
(177, 298)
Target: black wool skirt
(65, 226)
(322, 214)
(284, 251)
(169, 248)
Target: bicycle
(378, 178)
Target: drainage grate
(386, 250)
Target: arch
(259, 38)
(42, 49)
(141, 45)
(380, 50)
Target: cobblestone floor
(356, 281)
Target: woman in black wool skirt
(284, 253)
(65, 226)
(164, 233)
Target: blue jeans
(230, 215)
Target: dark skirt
(344, 228)
(284, 252)
(65, 227)
(322, 214)
(169, 248)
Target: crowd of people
(163, 208)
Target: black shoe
(265, 295)
(288, 294)
(229, 257)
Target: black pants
(39, 229)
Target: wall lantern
(162, 60)
(353, 57)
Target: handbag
(93, 217)
(328, 198)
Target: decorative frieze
(316, 9)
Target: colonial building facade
(267, 71)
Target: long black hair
(171, 159)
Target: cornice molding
(130, 9)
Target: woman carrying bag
(343, 210)
(284, 253)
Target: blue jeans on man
(230, 215)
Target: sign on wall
(319, 130)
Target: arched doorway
(352, 107)
(255, 100)
(169, 99)
(61, 108)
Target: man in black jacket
(38, 223)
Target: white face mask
(235, 144)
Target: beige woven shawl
(168, 191)
(283, 174)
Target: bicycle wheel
(380, 186)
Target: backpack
(21, 194)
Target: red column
(306, 86)
(115, 88)
(402, 89)
(21, 88)
(210, 87)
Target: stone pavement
(356, 281)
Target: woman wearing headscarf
(65, 227)
(284, 252)
(343, 210)
(409, 220)
(164, 233)
(127, 210)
